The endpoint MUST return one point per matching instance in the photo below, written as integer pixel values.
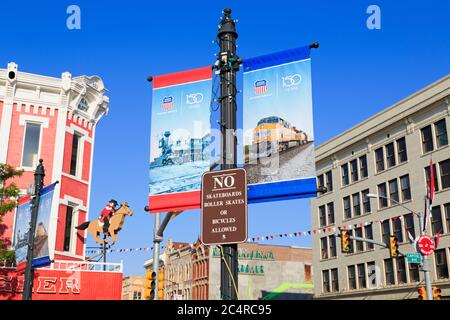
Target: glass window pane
(414, 272)
(436, 220)
(330, 207)
(369, 235)
(445, 173)
(401, 150)
(332, 241)
(324, 248)
(389, 271)
(354, 170)
(366, 201)
(390, 155)
(401, 270)
(441, 264)
(363, 166)
(393, 192)
(334, 280)
(359, 244)
(351, 278)
(347, 208)
(382, 200)
(74, 156)
(362, 276)
(371, 274)
(345, 177)
(397, 223)
(406, 189)
(427, 177)
(441, 133)
(68, 228)
(329, 181)
(385, 231)
(356, 204)
(379, 159)
(322, 216)
(31, 145)
(427, 139)
(409, 225)
(326, 281)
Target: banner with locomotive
(278, 126)
(180, 139)
(41, 253)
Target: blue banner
(278, 126)
(41, 255)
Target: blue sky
(356, 73)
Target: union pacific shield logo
(260, 86)
(167, 103)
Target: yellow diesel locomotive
(274, 134)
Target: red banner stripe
(174, 201)
(182, 77)
(23, 200)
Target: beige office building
(388, 154)
(133, 288)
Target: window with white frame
(31, 144)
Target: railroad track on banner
(183, 184)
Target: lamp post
(39, 175)
(426, 261)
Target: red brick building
(53, 119)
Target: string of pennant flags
(324, 230)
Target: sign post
(224, 207)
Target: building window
(414, 272)
(362, 276)
(436, 220)
(356, 204)
(382, 199)
(427, 177)
(136, 295)
(393, 192)
(74, 156)
(332, 241)
(329, 177)
(366, 201)
(401, 150)
(83, 105)
(322, 216)
(351, 278)
(369, 235)
(447, 215)
(363, 166)
(31, 144)
(334, 280)
(320, 181)
(379, 159)
(406, 189)
(359, 244)
(445, 173)
(347, 208)
(441, 264)
(427, 139)
(401, 270)
(345, 178)
(371, 274)
(325, 281)
(354, 170)
(385, 231)
(389, 271)
(398, 229)
(68, 228)
(390, 155)
(409, 225)
(324, 247)
(330, 208)
(441, 133)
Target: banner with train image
(180, 139)
(278, 142)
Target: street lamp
(373, 195)
(425, 264)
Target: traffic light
(436, 293)
(345, 239)
(393, 246)
(149, 287)
(161, 284)
(422, 293)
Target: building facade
(388, 154)
(133, 288)
(265, 272)
(53, 119)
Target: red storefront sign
(63, 285)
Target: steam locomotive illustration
(274, 134)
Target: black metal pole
(104, 256)
(39, 175)
(228, 66)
